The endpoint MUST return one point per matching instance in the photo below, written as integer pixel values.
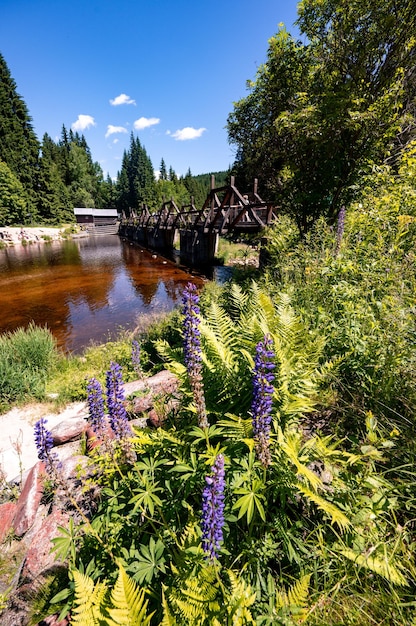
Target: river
(86, 290)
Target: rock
(160, 383)
(69, 430)
(68, 450)
(39, 558)
(29, 499)
(7, 514)
(153, 419)
(52, 620)
(163, 385)
(93, 440)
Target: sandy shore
(13, 235)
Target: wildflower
(44, 445)
(261, 407)
(135, 357)
(117, 414)
(340, 229)
(96, 405)
(213, 509)
(192, 350)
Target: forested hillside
(44, 181)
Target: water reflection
(85, 289)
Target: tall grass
(27, 357)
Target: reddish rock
(29, 499)
(69, 430)
(163, 382)
(39, 558)
(52, 620)
(93, 440)
(153, 419)
(7, 513)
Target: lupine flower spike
(192, 350)
(213, 509)
(44, 445)
(135, 357)
(117, 414)
(96, 406)
(261, 407)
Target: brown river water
(86, 290)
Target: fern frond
(194, 600)
(290, 443)
(380, 565)
(236, 427)
(336, 515)
(168, 618)
(129, 604)
(88, 600)
(294, 601)
(238, 600)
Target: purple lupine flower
(192, 350)
(213, 509)
(117, 414)
(340, 229)
(192, 342)
(44, 445)
(96, 405)
(135, 357)
(261, 407)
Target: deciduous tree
(321, 112)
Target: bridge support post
(198, 247)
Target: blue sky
(168, 71)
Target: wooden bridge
(224, 211)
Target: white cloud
(186, 133)
(83, 122)
(122, 99)
(115, 129)
(145, 122)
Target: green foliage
(12, 197)
(72, 372)
(19, 147)
(27, 358)
(93, 605)
(322, 510)
(320, 112)
(229, 334)
(361, 299)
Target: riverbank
(16, 235)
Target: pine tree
(54, 199)
(19, 147)
(136, 184)
(163, 170)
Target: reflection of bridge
(225, 210)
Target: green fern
(239, 598)
(129, 603)
(93, 606)
(202, 599)
(294, 602)
(195, 600)
(381, 565)
(89, 598)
